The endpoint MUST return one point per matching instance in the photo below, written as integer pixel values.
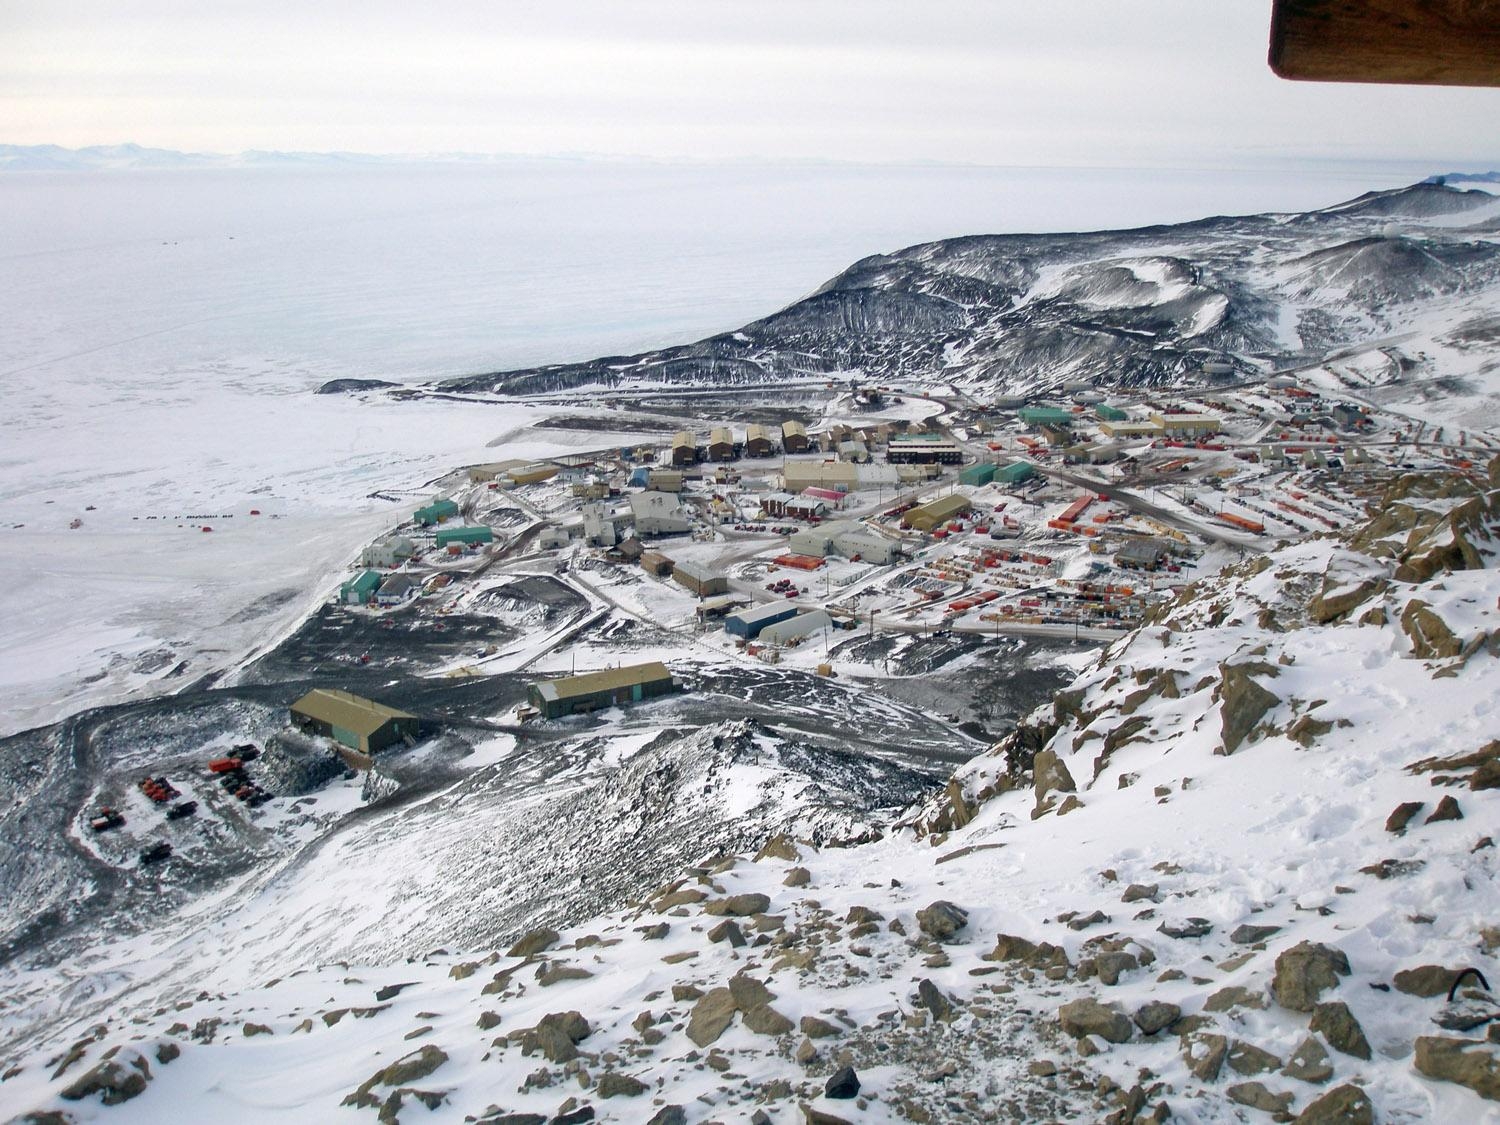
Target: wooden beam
(1413, 42)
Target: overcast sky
(1090, 82)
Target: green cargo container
(982, 473)
(436, 512)
(360, 589)
(1109, 413)
(1015, 473)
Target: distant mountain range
(1396, 293)
(53, 158)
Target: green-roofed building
(590, 691)
(436, 512)
(975, 475)
(464, 536)
(353, 721)
(1108, 413)
(1037, 416)
(1015, 472)
(359, 589)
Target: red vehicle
(106, 819)
(224, 765)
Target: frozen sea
(161, 332)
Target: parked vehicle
(186, 809)
(156, 853)
(106, 819)
(225, 765)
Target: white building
(388, 552)
(599, 525)
(798, 628)
(659, 513)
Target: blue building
(748, 622)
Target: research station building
(591, 691)
(362, 725)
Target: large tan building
(758, 441)
(684, 448)
(358, 723)
(794, 437)
(1187, 425)
(721, 445)
(935, 513)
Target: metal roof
(751, 614)
(347, 711)
(590, 683)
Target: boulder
(1051, 775)
(710, 1016)
(748, 992)
(1309, 1063)
(1203, 1053)
(740, 906)
(815, 1028)
(843, 1084)
(1156, 1016)
(1034, 955)
(1247, 934)
(797, 877)
(1244, 702)
(728, 930)
(1343, 1105)
(1466, 1062)
(1336, 1023)
(1235, 996)
(931, 997)
(1401, 816)
(112, 1080)
(1304, 972)
(942, 919)
(1190, 928)
(779, 846)
(1089, 1017)
(1425, 980)
(669, 1115)
(1248, 1059)
(1447, 809)
(766, 1020)
(1112, 966)
(1430, 636)
(1256, 1096)
(533, 943)
(612, 1085)
(1139, 891)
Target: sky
(999, 82)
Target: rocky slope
(1413, 274)
(1231, 874)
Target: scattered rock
(253, 1029)
(488, 1021)
(532, 944)
(1084, 921)
(1244, 703)
(612, 1085)
(685, 897)
(1111, 966)
(1304, 972)
(1343, 1105)
(779, 846)
(1156, 1016)
(766, 1020)
(805, 1052)
(1203, 1054)
(740, 906)
(1447, 809)
(728, 930)
(556, 974)
(1401, 816)
(843, 1084)
(113, 1080)
(811, 1116)
(654, 932)
(748, 992)
(1051, 776)
(1235, 996)
(1309, 1063)
(669, 1115)
(391, 991)
(931, 997)
(710, 1016)
(1248, 1059)
(797, 877)
(942, 919)
(1337, 1024)
(1467, 1062)
(1089, 1017)
(556, 1035)
(1136, 892)
(815, 1028)
(1256, 1096)
(1191, 928)
(1247, 934)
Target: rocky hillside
(1413, 274)
(1233, 873)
